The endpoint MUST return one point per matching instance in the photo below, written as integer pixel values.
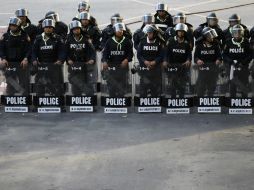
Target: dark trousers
(207, 81)
(49, 81)
(177, 82)
(150, 83)
(117, 82)
(17, 79)
(239, 82)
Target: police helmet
(116, 18)
(181, 27)
(48, 23)
(21, 12)
(162, 7)
(15, 21)
(119, 27)
(237, 31)
(150, 28)
(208, 32)
(75, 24)
(212, 19)
(84, 16)
(84, 6)
(148, 19)
(234, 18)
(52, 15)
(179, 18)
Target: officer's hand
(35, 63)
(104, 66)
(200, 62)
(58, 62)
(90, 62)
(4, 63)
(218, 62)
(124, 63)
(187, 64)
(165, 64)
(152, 63)
(147, 63)
(70, 62)
(24, 63)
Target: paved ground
(126, 152)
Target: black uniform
(228, 32)
(79, 73)
(31, 30)
(138, 35)
(14, 48)
(108, 32)
(94, 34)
(170, 32)
(237, 56)
(198, 33)
(113, 54)
(252, 41)
(49, 77)
(150, 79)
(61, 29)
(252, 34)
(208, 72)
(176, 54)
(163, 24)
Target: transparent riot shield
(48, 88)
(3, 29)
(116, 89)
(178, 96)
(82, 94)
(209, 89)
(16, 93)
(239, 97)
(148, 89)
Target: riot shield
(148, 89)
(115, 89)
(49, 88)
(3, 29)
(209, 94)
(82, 95)
(178, 97)
(239, 97)
(16, 97)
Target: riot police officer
(150, 55)
(118, 52)
(177, 59)
(108, 32)
(163, 19)
(90, 29)
(208, 57)
(252, 34)
(80, 54)
(84, 6)
(252, 41)
(48, 55)
(212, 22)
(26, 24)
(171, 32)
(237, 56)
(60, 27)
(139, 34)
(233, 20)
(15, 50)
